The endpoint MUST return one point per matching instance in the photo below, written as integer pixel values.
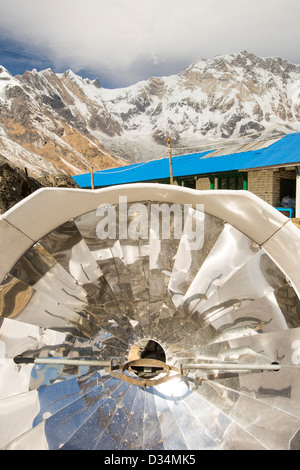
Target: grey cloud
(128, 40)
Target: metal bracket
(142, 367)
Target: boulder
(16, 184)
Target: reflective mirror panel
(154, 280)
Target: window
(233, 181)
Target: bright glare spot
(174, 388)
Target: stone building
(270, 184)
(269, 168)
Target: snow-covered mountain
(228, 97)
(42, 127)
(68, 122)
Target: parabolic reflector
(149, 316)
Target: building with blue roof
(267, 167)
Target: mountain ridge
(61, 122)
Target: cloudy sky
(124, 41)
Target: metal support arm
(144, 368)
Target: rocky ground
(16, 184)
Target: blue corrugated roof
(284, 151)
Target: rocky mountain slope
(224, 98)
(62, 122)
(38, 130)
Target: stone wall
(261, 183)
(202, 184)
(266, 183)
